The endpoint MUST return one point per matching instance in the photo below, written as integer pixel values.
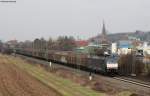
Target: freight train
(103, 64)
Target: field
(19, 78)
(15, 82)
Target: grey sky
(28, 19)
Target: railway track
(123, 79)
(132, 81)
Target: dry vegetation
(16, 82)
(129, 64)
(147, 65)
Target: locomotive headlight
(112, 65)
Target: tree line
(63, 43)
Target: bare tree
(66, 43)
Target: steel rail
(132, 82)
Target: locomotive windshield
(112, 59)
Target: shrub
(129, 64)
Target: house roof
(82, 43)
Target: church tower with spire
(103, 29)
(103, 37)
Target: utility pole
(47, 50)
(14, 51)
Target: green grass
(125, 93)
(63, 86)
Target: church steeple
(104, 38)
(103, 29)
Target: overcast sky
(29, 19)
